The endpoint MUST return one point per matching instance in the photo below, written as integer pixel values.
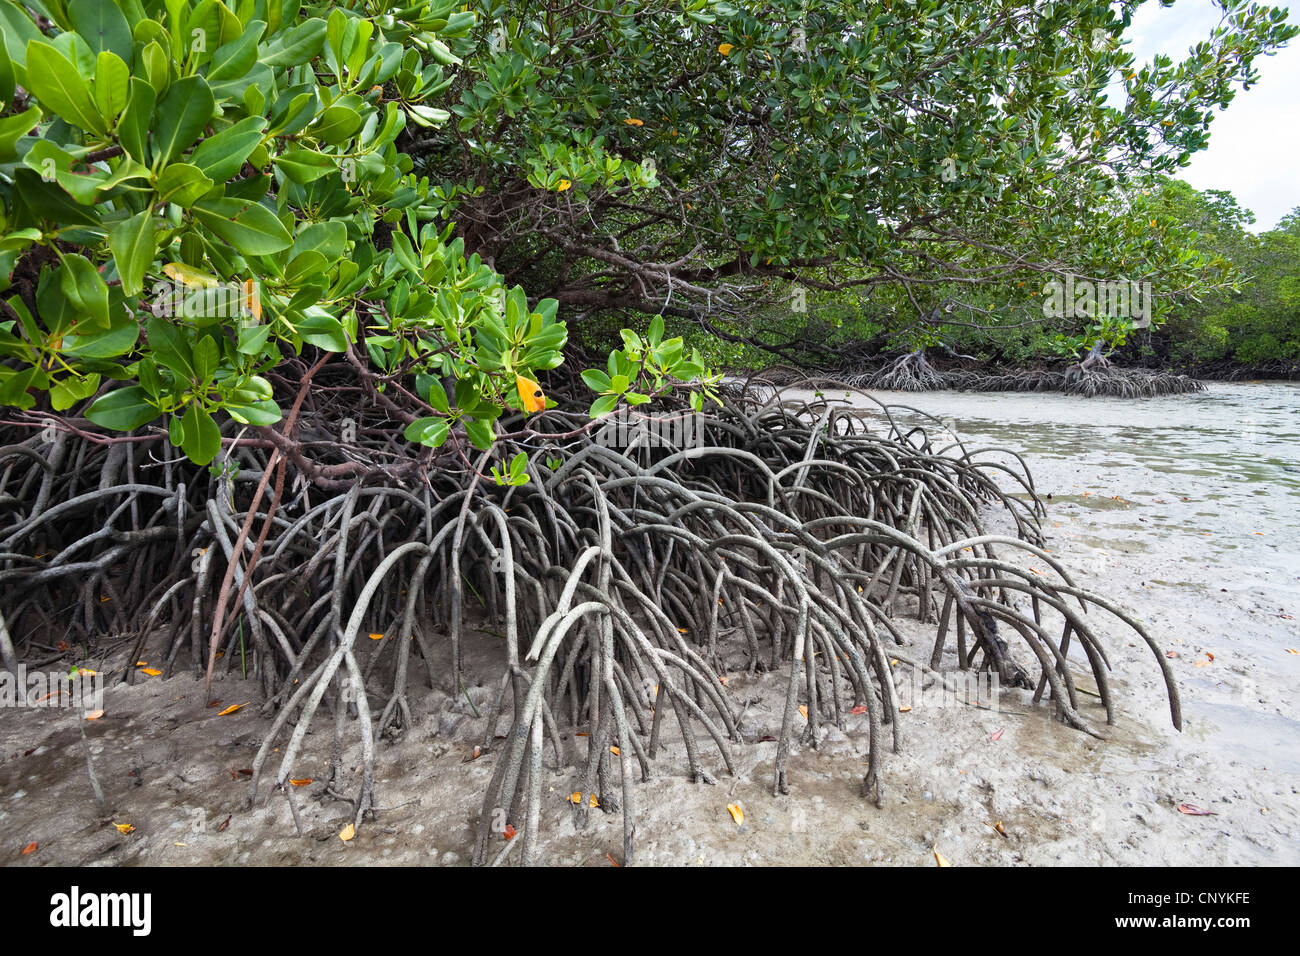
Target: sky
(1254, 150)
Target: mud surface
(1185, 510)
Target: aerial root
(621, 588)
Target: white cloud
(1255, 143)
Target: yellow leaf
(564, 184)
(682, 630)
(95, 715)
(615, 751)
(123, 827)
(725, 49)
(575, 797)
(141, 663)
(633, 122)
(151, 671)
(939, 858)
(904, 708)
(302, 782)
(530, 394)
(230, 710)
(736, 812)
(803, 709)
(250, 298)
(592, 801)
(347, 833)
(189, 276)
(376, 637)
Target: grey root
(793, 538)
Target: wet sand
(1184, 510)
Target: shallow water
(1197, 497)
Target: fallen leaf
(223, 825)
(860, 709)
(141, 663)
(582, 733)
(683, 630)
(1201, 664)
(180, 844)
(95, 715)
(904, 708)
(189, 276)
(215, 703)
(765, 739)
(376, 637)
(245, 772)
(1209, 655)
(612, 861)
(1292, 650)
(1171, 653)
(151, 671)
(939, 858)
(615, 751)
(29, 848)
(998, 829)
(124, 827)
(722, 680)
(997, 734)
(230, 710)
(736, 812)
(509, 832)
(347, 833)
(592, 801)
(301, 782)
(803, 709)
(575, 797)
(1192, 810)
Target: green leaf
(123, 409)
(249, 227)
(306, 165)
(112, 80)
(14, 128)
(85, 288)
(55, 81)
(265, 412)
(182, 115)
(430, 389)
(102, 25)
(324, 331)
(182, 184)
(132, 245)
(237, 57)
(200, 436)
(253, 338)
(297, 46)
(596, 380)
(480, 433)
(428, 431)
(220, 157)
(602, 405)
(65, 394)
(336, 124)
(136, 120)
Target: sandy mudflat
(1151, 535)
